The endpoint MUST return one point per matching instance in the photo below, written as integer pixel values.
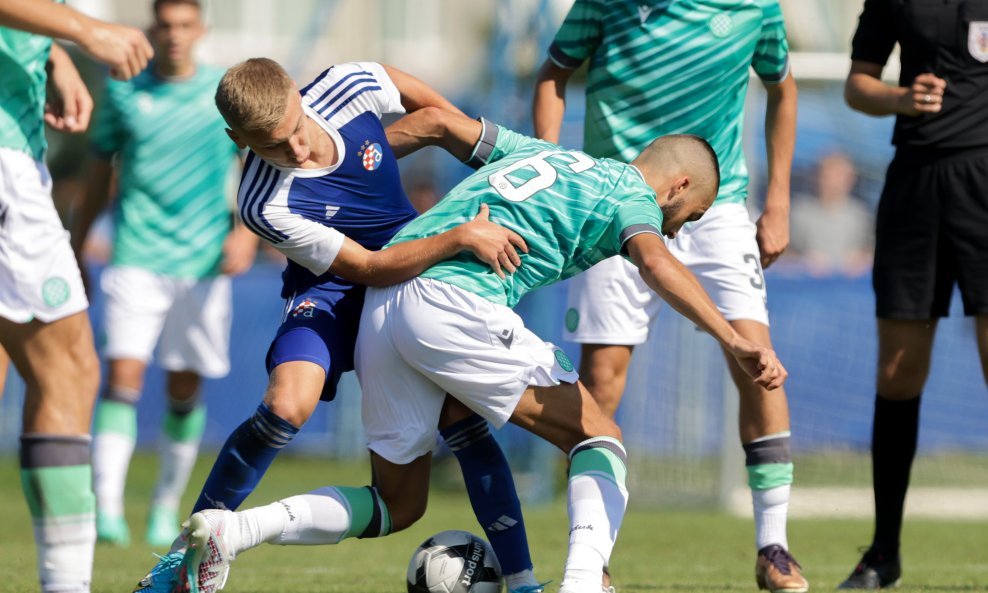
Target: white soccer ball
(454, 562)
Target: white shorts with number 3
(611, 304)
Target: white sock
(596, 500)
(771, 510)
(177, 460)
(111, 457)
(525, 578)
(319, 517)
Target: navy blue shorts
(320, 326)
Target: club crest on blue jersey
(371, 155)
(306, 308)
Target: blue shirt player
(321, 185)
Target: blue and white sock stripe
(611, 444)
(259, 192)
(474, 432)
(276, 432)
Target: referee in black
(932, 224)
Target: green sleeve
(107, 134)
(509, 141)
(771, 58)
(579, 35)
(632, 217)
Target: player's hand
(492, 243)
(68, 105)
(925, 95)
(772, 234)
(239, 251)
(124, 49)
(760, 363)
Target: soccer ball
(454, 562)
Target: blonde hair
(252, 95)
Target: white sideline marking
(931, 503)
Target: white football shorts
(611, 304)
(39, 276)
(424, 338)
(188, 319)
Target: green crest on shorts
(55, 291)
(572, 319)
(563, 360)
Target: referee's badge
(977, 40)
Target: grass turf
(662, 551)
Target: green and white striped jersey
(174, 202)
(23, 57)
(672, 66)
(572, 210)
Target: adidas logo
(503, 523)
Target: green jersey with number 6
(572, 210)
(663, 67)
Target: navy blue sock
(243, 460)
(492, 491)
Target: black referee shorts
(932, 231)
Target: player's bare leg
(293, 390)
(980, 328)
(567, 416)
(184, 423)
(763, 424)
(4, 364)
(904, 352)
(60, 369)
(604, 372)
(114, 439)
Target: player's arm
(677, 286)
(416, 94)
(864, 91)
(549, 103)
(491, 243)
(95, 199)
(432, 126)
(68, 105)
(124, 49)
(780, 140)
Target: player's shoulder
(352, 72)
(209, 73)
(771, 9)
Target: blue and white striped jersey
(305, 213)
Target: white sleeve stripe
(316, 100)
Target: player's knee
(291, 406)
(183, 386)
(84, 373)
(405, 510)
(899, 379)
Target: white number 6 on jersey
(545, 174)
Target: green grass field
(661, 551)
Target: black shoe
(875, 571)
